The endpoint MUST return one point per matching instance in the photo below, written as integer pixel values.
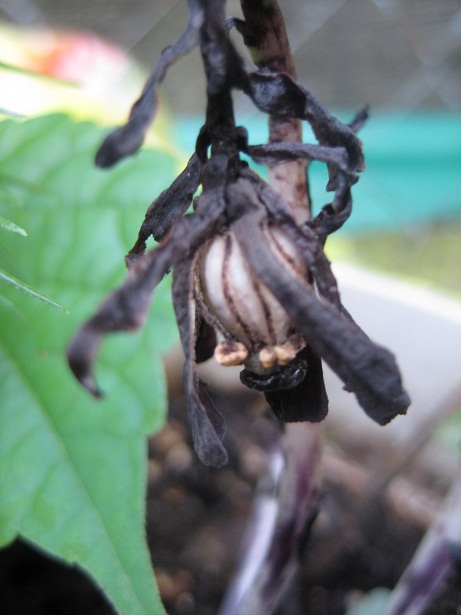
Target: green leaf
(74, 469)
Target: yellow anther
(284, 355)
(268, 357)
(230, 353)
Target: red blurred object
(80, 57)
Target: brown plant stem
(267, 41)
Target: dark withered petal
(308, 400)
(359, 119)
(206, 340)
(368, 370)
(310, 248)
(279, 152)
(309, 244)
(167, 208)
(206, 423)
(224, 67)
(328, 221)
(207, 443)
(278, 94)
(330, 218)
(126, 308)
(81, 354)
(288, 377)
(342, 196)
(128, 138)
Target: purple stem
(433, 560)
(282, 514)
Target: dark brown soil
(196, 517)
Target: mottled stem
(283, 511)
(433, 561)
(267, 41)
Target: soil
(196, 517)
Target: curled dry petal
(129, 138)
(126, 308)
(310, 249)
(279, 94)
(368, 370)
(123, 310)
(206, 423)
(307, 401)
(280, 152)
(167, 208)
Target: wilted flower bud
(256, 329)
(250, 268)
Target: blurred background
(402, 57)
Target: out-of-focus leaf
(73, 469)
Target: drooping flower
(251, 285)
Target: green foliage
(74, 469)
(8, 202)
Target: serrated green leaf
(74, 469)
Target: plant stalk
(268, 43)
(433, 561)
